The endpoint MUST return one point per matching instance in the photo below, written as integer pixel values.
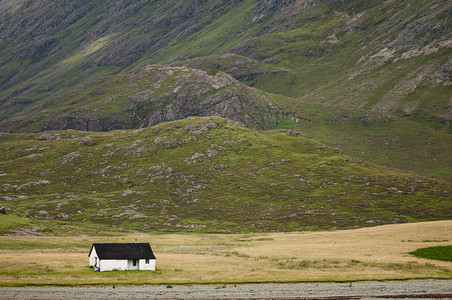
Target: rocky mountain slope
(148, 95)
(326, 63)
(369, 55)
(204, 175)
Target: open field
(378, 253)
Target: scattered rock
(110, 99)
(49, 137)
(156, 168)
(9, 198)
(138, 151)
(68, 158)
(140, 173)
(193, 159)
(136, 144)
(61, 204)
(230, 142)
(2, 210)
(127, 193)
(292, 133)
(63, 216)
(211, 153)
(126, 212)
(165, 141)
(87, 141)
(198, 129)
(9, 187)
(33, 184)
(137, 216)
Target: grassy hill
(353, 92)
(372, 78)
(201, 175)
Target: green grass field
(439, 253)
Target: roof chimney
(108, 240)
(136, 241)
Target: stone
(87, 141)
(292, 133)
(68, 158)
(49, 136)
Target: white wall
(147, 267)
(130, 265)
(113, 264)
(124, 264)
(92, 257)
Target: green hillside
(371, 78)
(148, 95)
(201, 175)
(149, 115)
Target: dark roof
(123, 251)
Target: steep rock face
(156, 94)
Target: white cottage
(122, 256)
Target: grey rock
(87, 141)
(49, 136)
(69, 158)
(292, 133)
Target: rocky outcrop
(242, 68)
(13, 187)
(48, 136)
(168, 93)
(276, 47)
(195, 93)
(70, 158)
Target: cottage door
(134, 264)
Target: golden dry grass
(378, 253)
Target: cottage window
(147, 261)
(134, 262)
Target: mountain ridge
(289, 35)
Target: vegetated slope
(148, 95)
(201, 174)
(387, 61)
(382, 55)
(7, 4)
